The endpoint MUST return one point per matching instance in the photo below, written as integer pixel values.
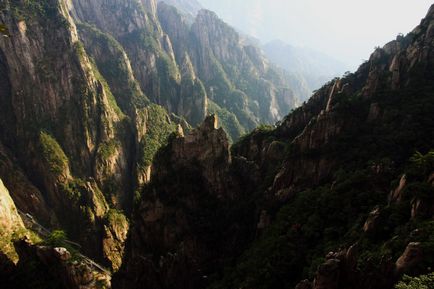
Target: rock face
(166, 57)
(10, 225)
(53, 268)
(85, 141)
(186, 224)
(412, 255)
(189, 7)
(236, 75)
(67, 148)
(78, 131)
(10, 219)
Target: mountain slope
(161, 45)
(325, 189)
(90, 90)
(68, 150)
(238, 78)
(189, 7)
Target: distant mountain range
(190, 7)
(309, 68)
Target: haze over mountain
(347, 30)
(308, 69)
(147, 147)
(190, 7)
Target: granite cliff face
(97, 102)
(178, 67)
(186, 225)
(68, 150)
(189, 7)
(238, 78)
(318, 189)
(83, 86)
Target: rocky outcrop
(186, 224)
(136, 29)
(10, 219)
(53, 267)
(26, 195)
(322, 120)
(10, 225)
(60, 124)
(223, 62)
(412, 256)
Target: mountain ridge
(95, 140)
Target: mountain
(90, 90)
(177, 62)
(243, 88)
(114, 174)
(310, 69)
(189, 7)
(334, 197)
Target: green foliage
(158, 130)
(421, 282)
(44, 10)
(113, 67)
(79, 49)
(111, 99)
(422, 164)
(56, 239)
(108, 149)
(316, 222)
(72, 189)
(4, 30)
(53, 154)
(116, 218)
(59, 238)
(227, 120)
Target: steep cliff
(238, 78)
(317, 189)
(177, 66)
(137, 31)
(189, 7)
(11, 224)
(187, 222)
(69, 151)
(335, 195)
(347, 147)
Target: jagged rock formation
(84, 143)
(10, 224)
(52, 268)
(186, 221)
(320, 182)
(78, 130)
(176, 67)
(69, 152)
(237, 76)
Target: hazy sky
(348, 30)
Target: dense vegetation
(157, 134)
(369, 157)
(53, 154)
(421, 282)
